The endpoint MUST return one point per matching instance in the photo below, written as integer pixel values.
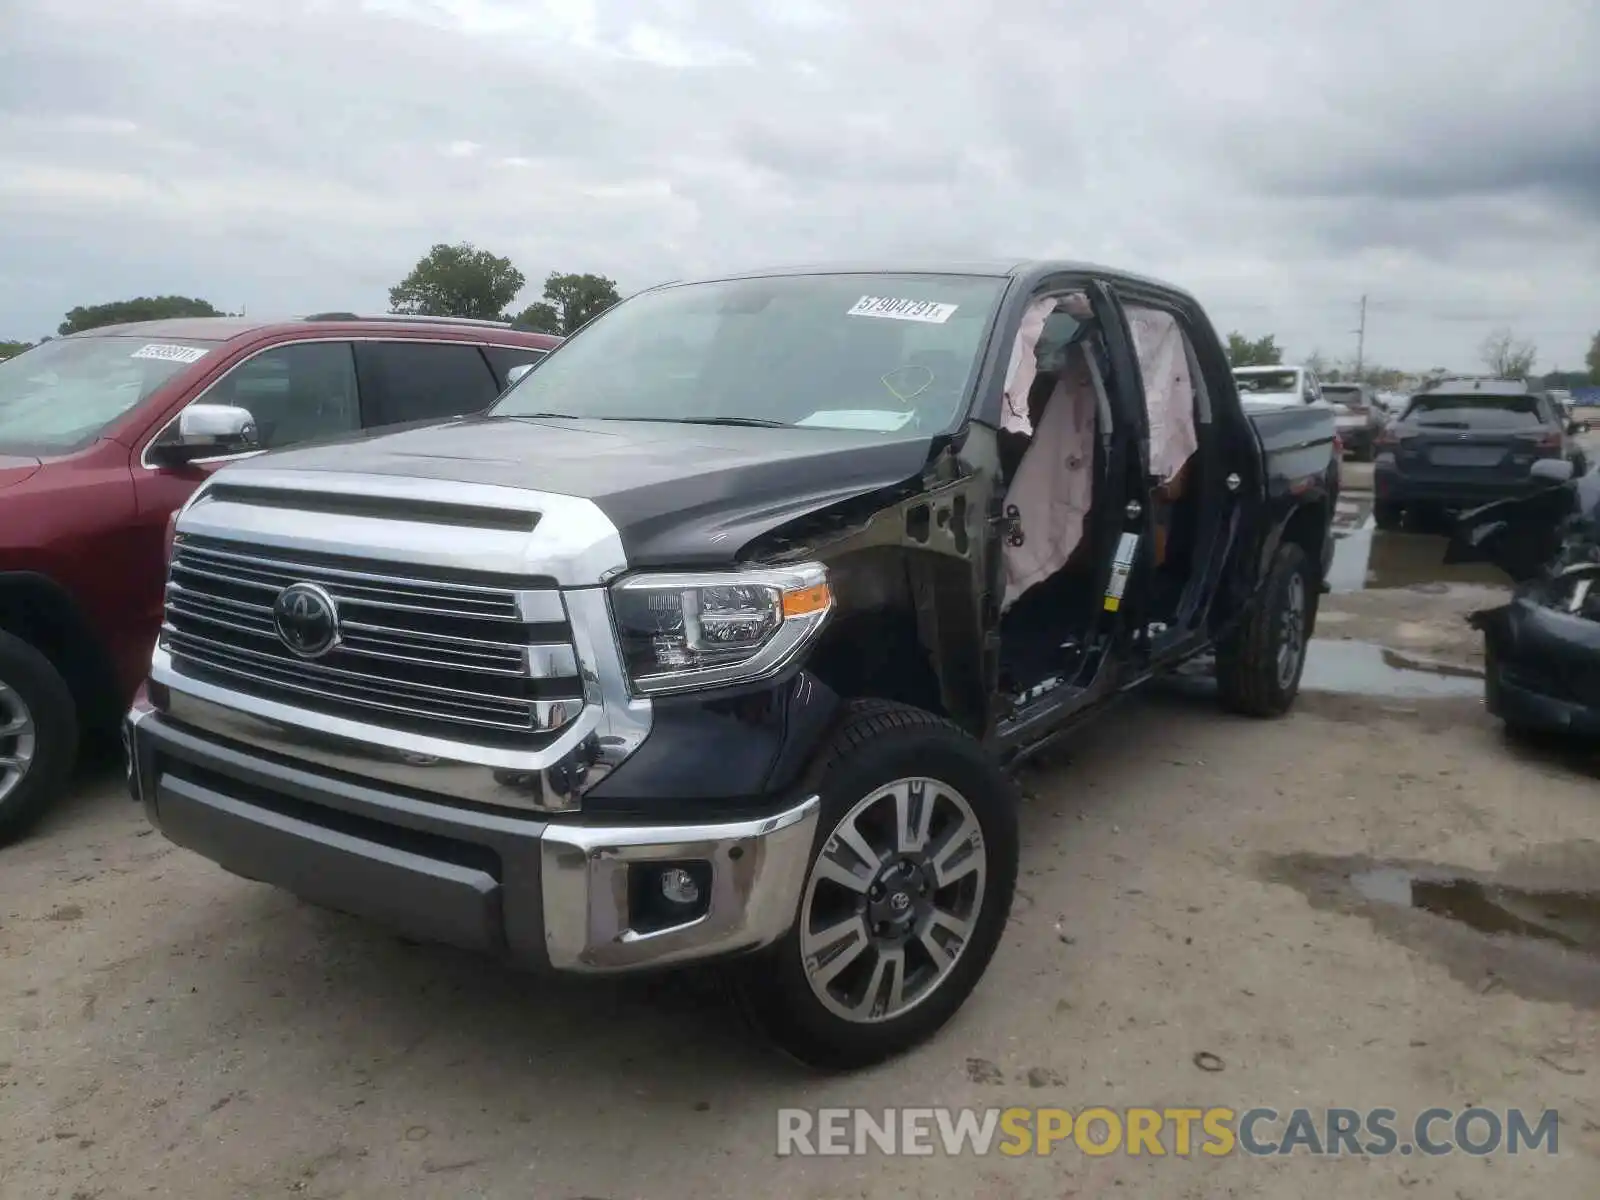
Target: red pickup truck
(104, 434)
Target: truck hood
(14, 468)
(678, 494)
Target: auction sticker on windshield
(895, 309)
(183, 354)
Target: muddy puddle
(1366, 558)
(1534, 930)
(1570, 919)
(1355, 668)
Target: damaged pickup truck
(1542, 650)
(715, 638)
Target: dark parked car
(716, 636)
(104, 434)
(1542, 650)
(1464, 443)
(1359, 417)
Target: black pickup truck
(715, 639)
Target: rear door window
(423, 381)
(503, 358)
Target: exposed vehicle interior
(1066, 503)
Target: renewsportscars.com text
(1160, 1132)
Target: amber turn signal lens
(802, 601)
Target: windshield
(58, 396)
(872, 352)
(1268, 382)
(1479, 411)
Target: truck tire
(1259, 665)
(1388, 516)
(38, 736)
(908, 892)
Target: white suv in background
(1278, 384)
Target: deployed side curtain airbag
(1054, 484)
(1168, 389)
(1024, 366)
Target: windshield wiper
(761, 422)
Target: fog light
(679, 887)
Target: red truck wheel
(38, 735)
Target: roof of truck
(999, 268)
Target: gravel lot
(169, 1030)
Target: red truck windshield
(60, 395)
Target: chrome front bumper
(540, 893)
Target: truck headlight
(680, 632)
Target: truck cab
(717, 637)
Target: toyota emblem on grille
(306, 620)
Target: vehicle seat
(1054, 484)
(1167, 505)
(1014, 445)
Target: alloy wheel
(893, 900)
(1292, 641)
(17, 740)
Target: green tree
(458, 281)
(1506, 356)
(144, 308)
(12, 349)
(570, 302)
(1592, 359)
(1263, 352)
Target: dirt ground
(169, 1030)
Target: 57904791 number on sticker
(895, 309)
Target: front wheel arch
(39, 611)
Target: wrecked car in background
(1542, 649)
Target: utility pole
(1361, 340)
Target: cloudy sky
(1442, 156)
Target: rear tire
(1388, 516)
(38, 736)
(888, 944)
(1260, 664)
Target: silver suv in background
(1278, 384)
(1358, 415)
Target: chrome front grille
(430, 652)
